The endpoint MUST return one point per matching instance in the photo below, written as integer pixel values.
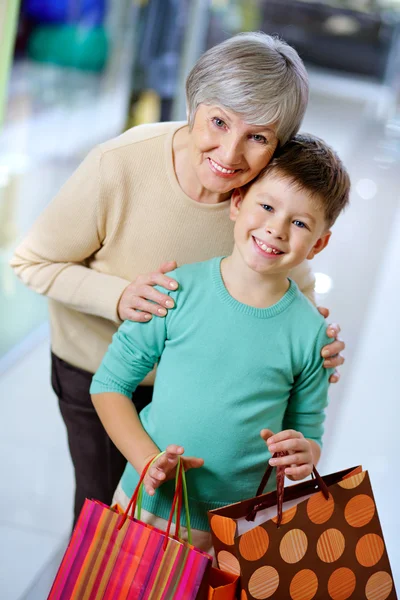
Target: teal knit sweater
(225, 371)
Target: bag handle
(280, 488)
(135, 503)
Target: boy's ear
(236, 201)
(319, 245)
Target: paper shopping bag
(222, 585)
(323, 541)
(114, 557)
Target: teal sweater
(225, 371)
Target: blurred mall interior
(82, 72)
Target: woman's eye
(300, 224)
(267, 207)
(218, 122)
(260, 139)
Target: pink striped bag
(117, 557)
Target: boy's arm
(121, 421)
(135, 349)
(304, 418)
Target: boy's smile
(277, 225)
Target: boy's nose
(277, 230)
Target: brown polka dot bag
(317, 540)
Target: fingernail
(272, 447)
(325, 353)
(169, 303)
(147, 316)
(173, 284)
(162, 311)
(272, 462)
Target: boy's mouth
(267, 247)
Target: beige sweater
(120, 214)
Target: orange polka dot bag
(316, 540)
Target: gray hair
(257, 76)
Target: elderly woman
(157, 192)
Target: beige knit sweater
(120, 214)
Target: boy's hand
(299, 462)
(164, 467)
(331, 352)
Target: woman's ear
(319, 245)
(236, 201)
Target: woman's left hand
(331, 352)
(299, 462)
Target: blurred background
(74, 73)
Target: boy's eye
(300, 224)
(267, 207)
(218, 122)
(259, 138)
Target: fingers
(296, 473)
(162, 469)
(266, 434)
(129, 314)
(291, 445)
(333, 330)
(334, 378)
(324, 311)
(158, 278)
(274, 440)
(192, 462)
(170, 265)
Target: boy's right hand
(164, 468)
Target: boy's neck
(248, 286)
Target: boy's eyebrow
(266, 196)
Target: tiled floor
(362, 262)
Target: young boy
(240, 352)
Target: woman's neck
(249, 287)
(186, 174)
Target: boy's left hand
(299, 462)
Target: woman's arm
(51, 259)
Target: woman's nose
(232, 153)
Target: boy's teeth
(267, 248)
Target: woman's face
(225, 151)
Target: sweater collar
(260, 313)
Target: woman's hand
(164, 467)
(331, 352)
(135, 305)
(300, 460)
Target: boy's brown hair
(312, 165)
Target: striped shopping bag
(117, 557)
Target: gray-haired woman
(157, 191)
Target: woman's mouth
(221, 170)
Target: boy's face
(277, 225)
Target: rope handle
(135, 503)
(280, 488)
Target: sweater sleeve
(304, 277)
(51, 260)
(134, 351)
(309, 395)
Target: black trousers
(98, 464)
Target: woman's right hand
(135, 305)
